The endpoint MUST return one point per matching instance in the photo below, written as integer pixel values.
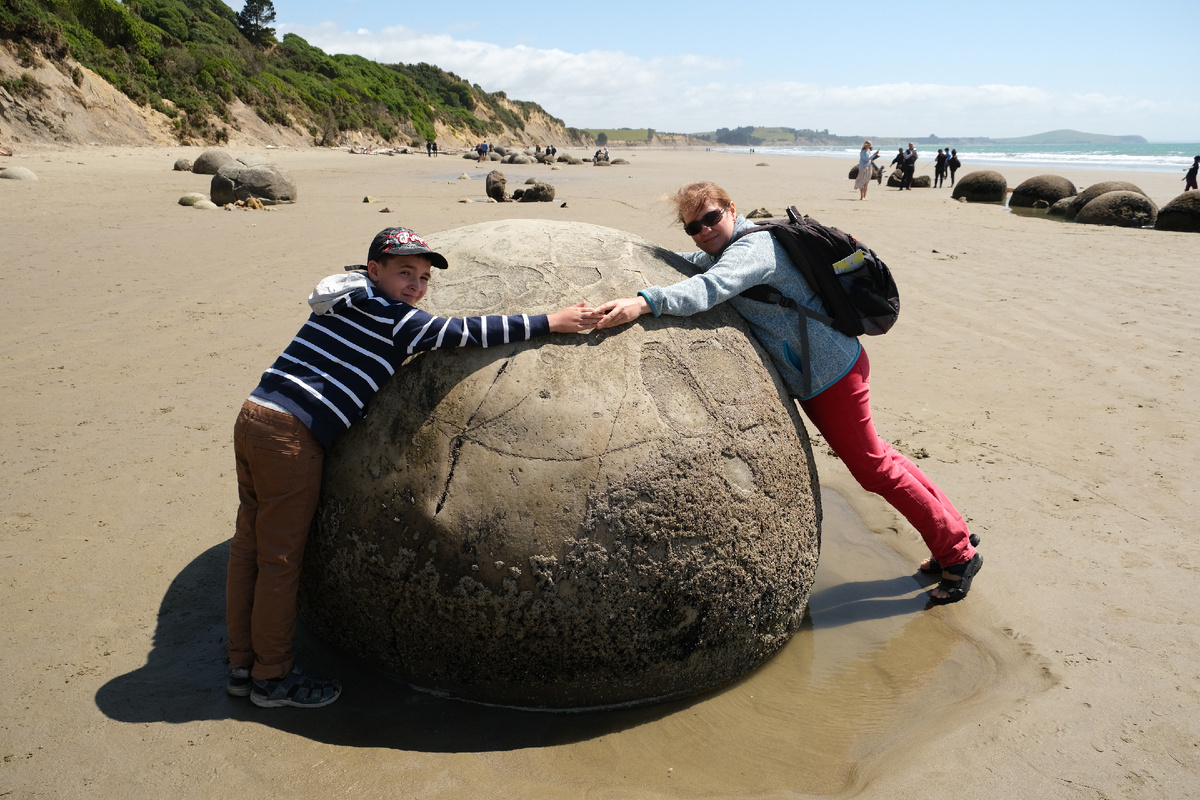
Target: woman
(866, 169)
(838, 403)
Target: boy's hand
(574, 319)
(618, 312)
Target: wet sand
(1040, 372)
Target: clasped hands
(579, 317)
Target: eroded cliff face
(69, 105)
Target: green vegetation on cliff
(189, 59)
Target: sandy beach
(1040, 372)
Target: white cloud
(609, 88)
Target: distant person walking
(953, 164)
(866, 169)
(939, 168)
(1189, 180)
(909, 167)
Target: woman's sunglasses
(707, 221)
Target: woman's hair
(689, 199)
(867, 144)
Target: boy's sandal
(956, 588)
(931, 564)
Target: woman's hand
(574, 319)
(618, 312)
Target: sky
(1013, 68)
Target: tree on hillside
(602, 139)
(253, 21)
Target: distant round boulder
(539, 192)
(500, 530)
(922, 182)
(182, 165)
(18, 174)
(495, 186)
(191, 198)
(1181, 214)
(875, 171)
(210, 161)
(1059, 207)
(981, 186)
(252, 176)
(1095, 190)
(1123, 209)
(1048, 189)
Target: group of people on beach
(906, 162)
(365, 321)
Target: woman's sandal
(956, 587)
(931, 564)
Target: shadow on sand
(183, 679)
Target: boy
(363, 325)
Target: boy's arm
(418, 330)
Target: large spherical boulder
(1048, 189)
(210, 161)
(252, 176)
(1181, 214)
(570, 522)
(981, 186)
(1124, 209)
(1095, 190)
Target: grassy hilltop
(189, 59)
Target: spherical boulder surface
(1181, 214)
(981, 186)
(210, 161)
(1048, 189)
(1123, 209)
(576, 521)
(1095, 190)
(18, 174)
(1059, 207)
(252, 177)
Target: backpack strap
(765, 293)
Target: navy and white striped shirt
(355, 339)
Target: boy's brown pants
(279, 482)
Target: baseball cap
(403, 242)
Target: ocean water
(1149, 157)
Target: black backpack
(855, 285)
